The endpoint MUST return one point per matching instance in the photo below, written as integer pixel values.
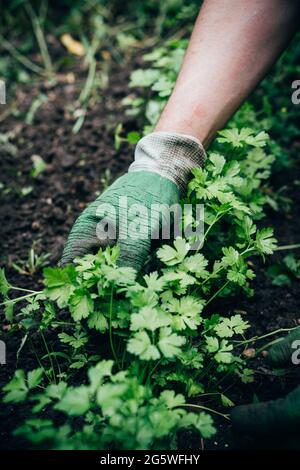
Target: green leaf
(4, 284)
(218, 162)
(133, 137)
(212, 344)
(259, 140)
(291, 263)
(34, 377)
(196, 264)
(98, 321)
(231, 256)
(245, 136)
(60, 284)
(149, 318)
(172, 256)
(246, 228)
(61, 295)
(224, 354)
(75, 402)
(37, 430)
(78, 364)
(16, 389)
(247, 375)
(81, 304)
(265, 243)
(177, 276)
(281, 280)
(140, 345)
(163, 86)
(171, 400)
(194, 388)
(204, 424)
(144, 78)
(97, 373)
(201, 421)
(238, 325)
(9, 310)
(56, 391)
(234, 275)
(187, 310)
(154, 282)
(38, 165)
(78, 340)
(110, 398)
(43, 401)
(57, 277)
(122, 276)
(226, 401)
(169, 343)
(142, 297)
(191, 357)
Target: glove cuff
(169, 154)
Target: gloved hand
(159, 175)
(280, 416)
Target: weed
(33, 264)
(285, 271)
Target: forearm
(233, 45)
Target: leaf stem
(20, 57)
(217, 218)
(49, 357)
(258, 338)
(287, 247)
(25, 290)
(40, 37)
(266, 346)
(202, 407)
(153, 370)
(110, 328)
(18, 299)
(217, 293)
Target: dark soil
(76, 166)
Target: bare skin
(233, 45)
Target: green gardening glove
(127, 211)
(278, 417)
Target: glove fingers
(86, 237)
(134, 253)
(253, 419)
(78, 248)
(281, 354)
(128, 212)
(270, 418)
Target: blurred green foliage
(118, 24)
(30, 46)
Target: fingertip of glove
(66, 258)
(245, 419)
(280, 354)
(130, 262)
(239, 418)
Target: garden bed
(39, 211)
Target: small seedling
(131, 137)
(33, 264)
(284, 272)
(38, 165)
